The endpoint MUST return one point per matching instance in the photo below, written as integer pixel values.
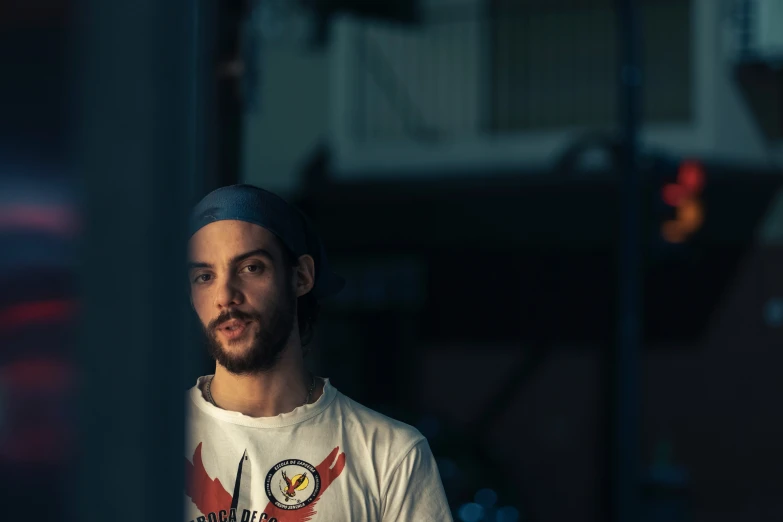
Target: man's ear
(305, 275)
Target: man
(268, 441)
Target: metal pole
(137, 139)
(625, 436)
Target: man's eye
(202, 278)
(252, 268)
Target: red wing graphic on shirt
(210, 496)
(207, 494)
(331, 468)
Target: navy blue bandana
(263, 208)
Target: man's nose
(228, 294)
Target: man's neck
(279, 390)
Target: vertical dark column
(624, 362)
(138, 134)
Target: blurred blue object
(773, 312)
(507, 514)
(486, 498)
(471, 512)
(447, 468)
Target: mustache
(239, 315)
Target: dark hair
(307, 305)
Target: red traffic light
(684, 195)
(690, 183)
(691, 176)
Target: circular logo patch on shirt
(292, 484)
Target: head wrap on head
(263, 208)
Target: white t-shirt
(331, 461)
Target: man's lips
(231, 323)
(233, 328)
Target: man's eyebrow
(234, 260)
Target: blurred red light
(673, 194)
(24, 314)
(691, 176)
(42, 373)
(684, 195)
(54, 219)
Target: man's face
(242, 292)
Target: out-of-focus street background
(560, 223)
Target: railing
(517, 66)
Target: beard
(271, 337)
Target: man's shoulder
(377, 426)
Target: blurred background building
(459, 156)
(463, 161)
